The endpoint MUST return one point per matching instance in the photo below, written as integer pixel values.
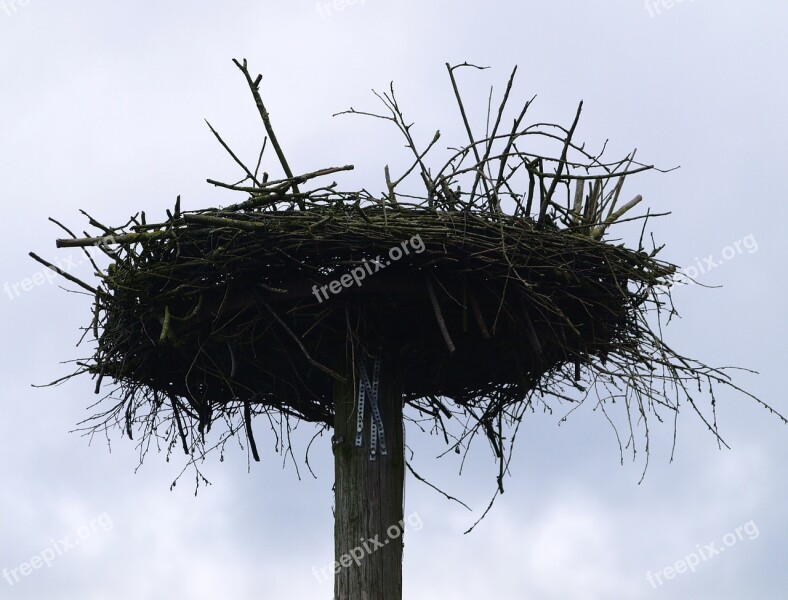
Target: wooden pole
(369, 495)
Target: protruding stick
(439, 315)
(253, 86)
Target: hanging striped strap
(371, 389)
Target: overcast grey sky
(102, 109)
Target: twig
(253, 86)
(62, 273)
(231, 153)
(249, 433)
(457, 95)
(296, 339)
(477, 313)
(390, 186)
(438, 314)
(561, 163)
(598, 231)
(437, 489)
(279, 184)
(491, 137)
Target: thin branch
(439, 314)
(561, 163)
(468, 127)
(437, 489)
(300, 344)
(232, 154)
(62, 273)
(254, 87)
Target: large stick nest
(221, 306)
(494, 296)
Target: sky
(102, 108)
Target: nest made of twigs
(497, 296)
(226, 306)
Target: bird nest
(493, 297)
